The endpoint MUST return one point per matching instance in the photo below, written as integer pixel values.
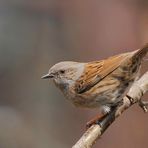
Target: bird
(98, 84)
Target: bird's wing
(96, 71)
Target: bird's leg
(106, 119)
(95, 120)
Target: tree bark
(138, 89)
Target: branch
(138, 89)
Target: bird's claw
(95, 120)
(144, 105)
(92, 122)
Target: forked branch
(138, 89)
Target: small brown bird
(98, 84)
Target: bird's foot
(95, 120)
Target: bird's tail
(141, 52)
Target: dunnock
(98, 84)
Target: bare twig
(135, 94)
(143, 105)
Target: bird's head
(65, 73)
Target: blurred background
(36, 34)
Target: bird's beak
(47, 76)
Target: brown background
(34, 35)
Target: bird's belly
(107, 95)
(107, 92)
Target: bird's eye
(62, 71)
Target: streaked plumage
(98, 83)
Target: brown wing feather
(96, 71)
